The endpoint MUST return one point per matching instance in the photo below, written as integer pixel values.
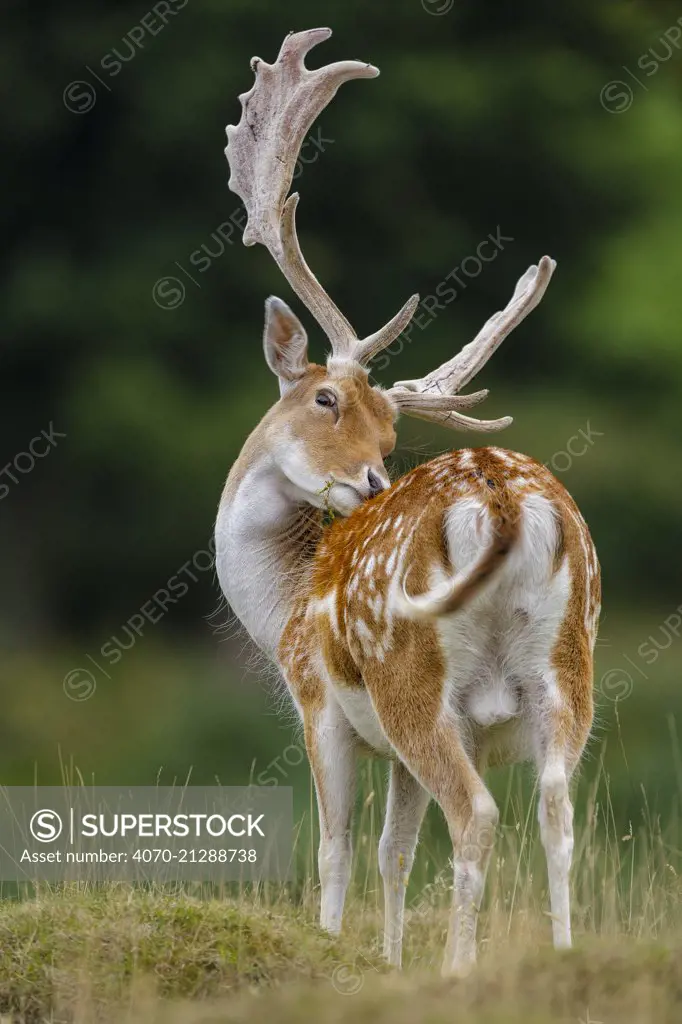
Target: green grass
(115, 954)
(120, 955)
(69, 949)
(76, 955)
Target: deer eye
(327, 399)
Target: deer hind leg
(473, 837)
(332, 746)
(561, 734)
(407, 803)
(555, 814)
(434, 753)
(472, 816)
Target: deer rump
(498, 644)
(497, 618)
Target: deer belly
(360, 712)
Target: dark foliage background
(488, 117)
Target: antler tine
(444, 409)
(435, 395)
(262, 150)
(369, 347)
(294, 267)
(296, 45)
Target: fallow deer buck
(448, 620)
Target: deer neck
(266, 540)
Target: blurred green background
(133, 315)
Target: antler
(262, 151)
(435, 397)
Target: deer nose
(376, 486)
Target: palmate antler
(262, 150)
(434, 397)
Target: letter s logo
(46, 826)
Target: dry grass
(72, 948)
(118, 954)
(608, 985)
(121, 955)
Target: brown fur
(343, 631)
(415, 650)
(405, 677)
(362, 436)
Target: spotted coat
(345, 626)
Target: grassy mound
(609, 985)
(70, 949)
(122, 955)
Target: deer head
(331, 429)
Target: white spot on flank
(363, 630)
(391, 563)
(365, 636)
(325, 606)
(369, 569)
(503, 456)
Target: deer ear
(285, 342)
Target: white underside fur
(498, 649)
